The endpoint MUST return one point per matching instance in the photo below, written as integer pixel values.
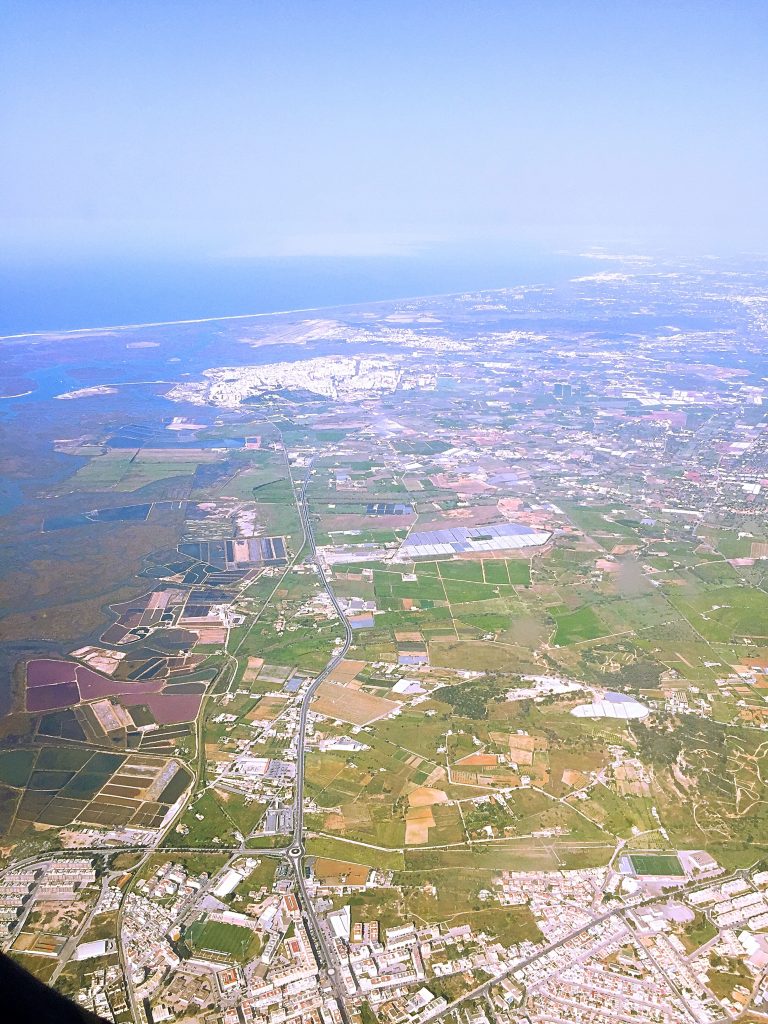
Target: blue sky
(253, 127)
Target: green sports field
(655, 864)
(225, 940)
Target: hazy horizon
(244, 130)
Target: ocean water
(54, 295)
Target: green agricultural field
(645, 612)
(724, 614)
(275, 491)
(464, 592)
(245, 814)
(129, 470)
(215, 824)
(730, 544)
(448, 827)
(139, 474)
(306, 647)
(336, 849)
(518, 571)
(600, 523)
(472, 654)
(267, 842)
(245, 482)
(457, 582)
(102, 472)
(496, 572)
(717, 573)
(576, 626)
(390, 588)
(462, 570)
(330, 435)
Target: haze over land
(271, 130)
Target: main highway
(319, 937)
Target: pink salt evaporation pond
(47, 671)
(53, 697)
(53, 684)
